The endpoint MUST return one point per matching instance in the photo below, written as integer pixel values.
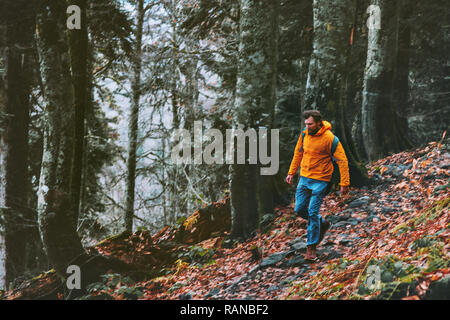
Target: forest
(144, 145)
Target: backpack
(336, 175)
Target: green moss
(124, 234)
(435, 211)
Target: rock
(396, 290)
(299, 246)
(439, 290)
(294, 262)
(271, 288)
(441, 188)
(273, 259)
(298, 239)
(253, 270)
(386, 210)
(396, 170)
(362, 290)
(359, 202)
(341, 224)
(288, 280)
(233, 288)
(185, 296)
(387, 276)
(377, 178)
(332, 219)
(372, 217)
(398, 265)
(345, 242)
(267, 219)
(213, 292)
(343, 217)
(371, 210)
(445, 166)
(329, 254)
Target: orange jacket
(315, 156)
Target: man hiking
(314, 154)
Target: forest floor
(389, 240)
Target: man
(313, 155)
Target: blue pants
(308, 199)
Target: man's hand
(344, 190)
(289, 178)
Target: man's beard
(313, 132)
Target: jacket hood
(325, 126)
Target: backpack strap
(334, 146)
(303, 137)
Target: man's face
(312, 126)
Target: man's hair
(317, 116)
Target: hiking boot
(323, 229)
(311, 253)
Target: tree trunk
(2, 150)
(55, 214)
(78, 45)
(254, 107)
(401, 80)
(55, 204)
(15, 105)
(134, 118)
(328, 76)
(265, 183)
(378, 116)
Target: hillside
(389, 240)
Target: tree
(401, 77)
(78, 47)
(253, 106)
(56, 203)
(134, 117)
(328, 75)
(55, 210)
(15, 214)
(109, 30)
(380, 127)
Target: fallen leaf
(411, 298)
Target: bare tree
(134, 116)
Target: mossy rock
(397, 290)
(439, 290)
